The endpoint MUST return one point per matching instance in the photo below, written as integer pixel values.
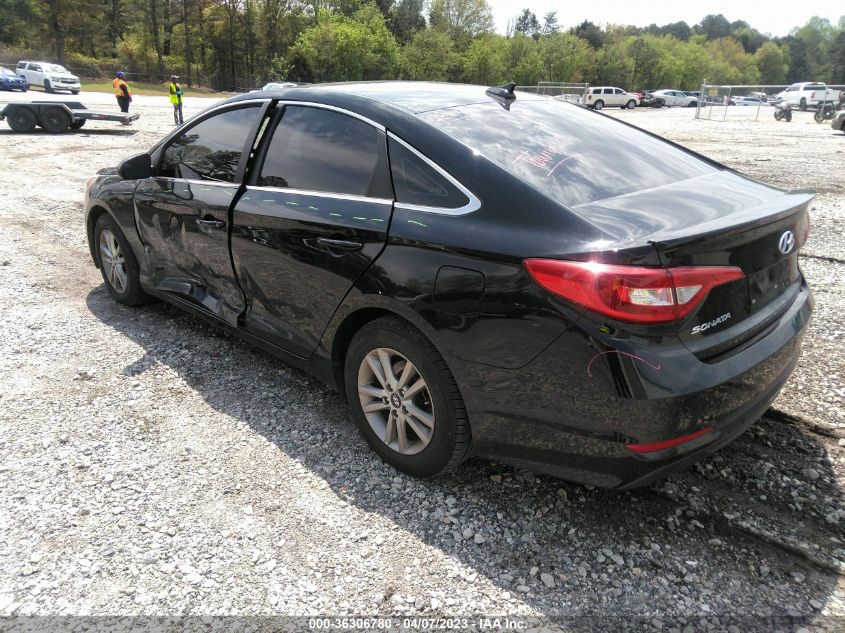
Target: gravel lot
(150, 465)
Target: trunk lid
(719, 219)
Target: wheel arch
(343, 329)
(94, 213)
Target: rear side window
(212, 149)
(567, 152)
(320, 150)
(416, 182)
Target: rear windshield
(571, 154)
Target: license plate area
(766, 284)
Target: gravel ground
(150, 465)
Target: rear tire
(117, 263)
(22, 120)
(598, 105)
(78, 123)
(416, 420)
(55, 120)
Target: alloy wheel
(396, 401)
(112, 261)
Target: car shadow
(748, 533)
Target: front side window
(211, 149)
(320, 150)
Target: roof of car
(411, 96)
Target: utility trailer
(56, 116)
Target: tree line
(240, 44)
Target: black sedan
(479, 271)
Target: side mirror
(135, 167)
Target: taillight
(637, 294)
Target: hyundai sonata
(480, 271)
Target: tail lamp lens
(636, 294)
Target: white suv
(609, 96)
(51, 76)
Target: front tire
(117, 263)
(47, 86)
(74, 92)
(631, 104)
(802, 105)
(404, 399)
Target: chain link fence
(748, 102)
(565, 91)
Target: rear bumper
(571, 411)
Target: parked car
(748, 101)
(602, 96)
(10, 81)
(51, 77)
(278, 85)
(476, 279)
(808, 94)
(675, 98)
(650, 101)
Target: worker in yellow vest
(121, 91)
(176, 100)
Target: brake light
(636, 294)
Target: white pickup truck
(809, 94)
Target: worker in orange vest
(121, 91)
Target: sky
(776, 17)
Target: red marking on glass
(546, 157)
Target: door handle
(346, 246)
(211, 224)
